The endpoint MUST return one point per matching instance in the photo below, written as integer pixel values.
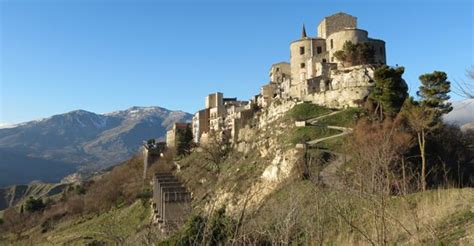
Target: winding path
(329, 174)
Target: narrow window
(278, 69)
(319, 49)
(301, 50)
(332, 59)
(324, 60)
(302, 65)
(332, 44)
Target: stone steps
(171, 201)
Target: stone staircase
(171, 202)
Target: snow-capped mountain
(463, 112)
(89, 139)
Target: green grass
(347, 117)
(334, 144)
(304, 134)
(307, 111)
(454, 228)
(124, 221)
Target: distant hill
(463, 112)
(12, 195)
(468, 126)
(80, 138)
(18, 168)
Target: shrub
(218, 229)
(355, 54)
(34, 205)
(145, 196)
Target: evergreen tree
(434, 91)
(390, 91)
(34, 205)
(184, 141)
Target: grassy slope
(345, 118)
(125, 221)
(443, 217)
(306, 111)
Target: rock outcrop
(349, 87)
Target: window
(324, 60)
(332, 59)
(332, 44)
(278, 69)
(381, 50)
(302, 65)
(319, 50)
(301, 50)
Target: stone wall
(336, 41)
(336, 23)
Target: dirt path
(329, 174)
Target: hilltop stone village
(314, 74)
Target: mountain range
(462, 113)
(78, 140)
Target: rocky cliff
(348, 87)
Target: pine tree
(390, 90)
(184, 140)
(433, 92)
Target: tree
(355, 54)
(216, 149)
(34, 205)
(433, 92)
(390, 91)
(422, 120)
(463, 88)
(184, 140)
(14, 222)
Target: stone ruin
(171, 202)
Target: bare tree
(216, 149)
(465, 88)
(14, 222)
(421, 121)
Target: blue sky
(101, 56)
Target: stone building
(309, 57)
(223, 116)
(172, 134)
(151, 151)
(314, 73)
(201, 122)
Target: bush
(145, 196)
(216, 230)
(355, 54)
(34, 205)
